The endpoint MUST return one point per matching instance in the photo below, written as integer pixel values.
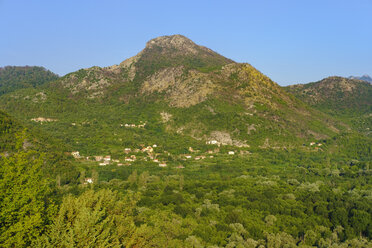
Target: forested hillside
(18, 77)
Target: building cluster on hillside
(42, 119)
(149, 154)
(141, 125)
(314, 143)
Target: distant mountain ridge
(364, 78)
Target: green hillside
(18, 77)
(16, 137)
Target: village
(155, 154)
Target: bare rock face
(92, 81)
(130, 66)
(192, 91)
(224, 138)
(180, 91)
(165, 117)
(162, 80)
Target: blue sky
(291, 41)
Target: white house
(75, 154)
(88, 180)
(148, 149)
(212, 142)
(127, 150)
(98, 158)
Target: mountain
(347, 99)
(364, 78)
(201, 152)
(17, 77)
(174, 93)
(335, 94)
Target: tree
(25, 210)
(94, 219)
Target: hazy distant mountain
(364, 78)
(17, 77)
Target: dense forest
(18, 77)
(269, 198)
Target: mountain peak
(176, 44)
(176, 40)
(174, 51)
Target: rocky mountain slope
(176, 93)
(336, 93)
(349, 100)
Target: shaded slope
(17, 77)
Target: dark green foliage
(18, 77)
(8, 129)
(26, 206)
(94, 219)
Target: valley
(179, 146)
